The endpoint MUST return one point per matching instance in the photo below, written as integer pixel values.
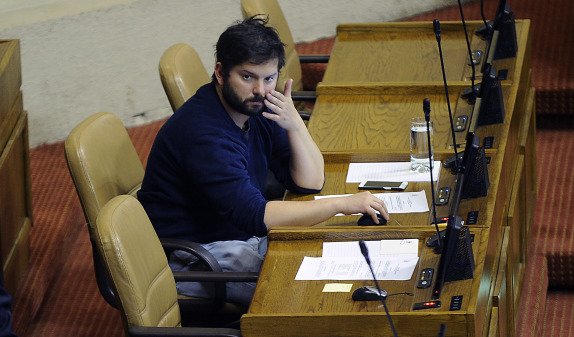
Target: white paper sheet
(389, 171)
(376, 248)
(398, 202)
(349, 268)
(391, 260)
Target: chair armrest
(303, 96)
(205, 258)
(304, 115)
(137, 331)
(214, 274)
(210, 276)
(194, 248)
(313, 58)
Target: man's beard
(235, 102)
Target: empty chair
(181, 73)
(137, 266)
(293, 60)
(103, 163)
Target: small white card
(337, 287)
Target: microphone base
(452, 163)
(485, 31)
(433, 241)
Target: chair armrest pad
(194, 248)
(182, 331)
(210, 276)
(313, 58)
(303, 95)
(304, 115)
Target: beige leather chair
(181, 73)
(293, 61)
(136, 264)
(103, 163)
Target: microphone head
(426, 108)
(436, 28)
(364, 249)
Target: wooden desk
(376, 80)
(15, 182)
(284, 307)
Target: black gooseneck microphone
(426, 109)
(365, 252)
(473, 96)
(436, 27)
(482, 14)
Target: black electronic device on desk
(369, 293)
(367, 220)
(456, 256)
(384, 185)
(506, 46)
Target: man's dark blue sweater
(204, 178)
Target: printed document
(391, 260)
(397, 202)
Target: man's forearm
(299, 213)
(307, 165)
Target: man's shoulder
(199, 111)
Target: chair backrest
(136, 264)
(181, 73)
(103, 162)
(277, 20)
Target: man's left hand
(284, 112)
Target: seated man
(205, 174)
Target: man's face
(245, 88)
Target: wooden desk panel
(284, 307)
(399, 52)
(408, 52)
(377, 117)
(373, 122)
(15, 188)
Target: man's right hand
(364, 202)
(312, 212)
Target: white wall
(80, 57)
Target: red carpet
(550, 267)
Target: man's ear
(219, 73)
